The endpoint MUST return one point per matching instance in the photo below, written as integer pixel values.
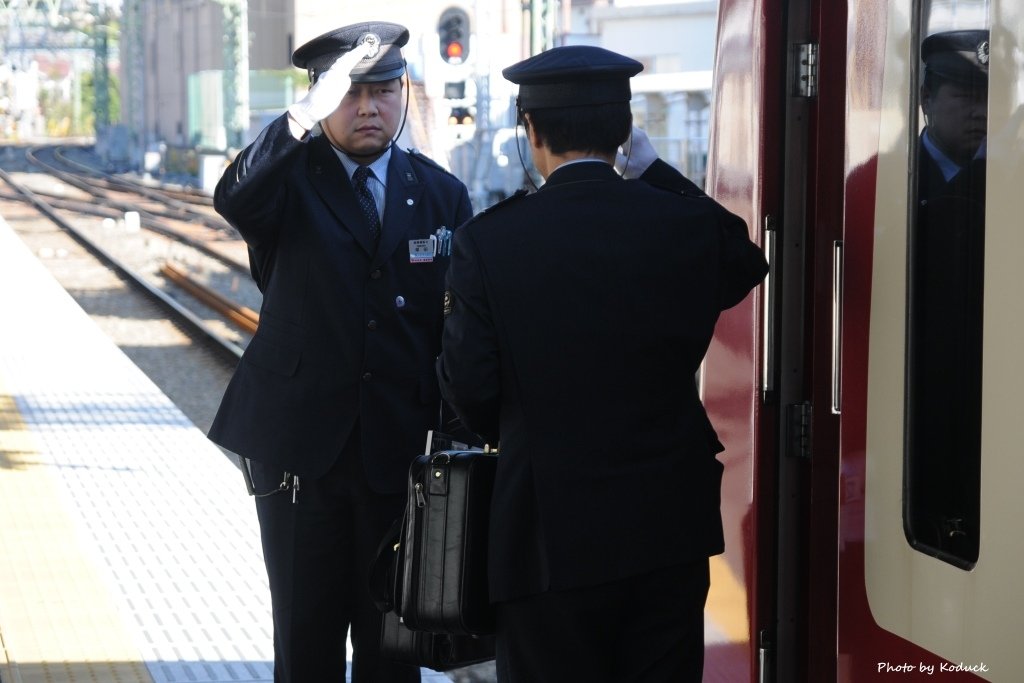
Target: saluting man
(334, 395)
(577, 317)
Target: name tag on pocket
(422, 251)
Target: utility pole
(483, 134)
(101, 66)
(236, 71)
(542, 25)
(133, 95)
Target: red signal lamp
(454, 50)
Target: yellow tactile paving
(57, 619)
(726, 609)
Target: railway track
(159, 210)
(175, 290)
(189, 270)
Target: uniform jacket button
(375, 275)
(367, 376)
(372, 325)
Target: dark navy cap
(319, 54)
(959, 56)
(573, 76)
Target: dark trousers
(318, 552)
(647, 628)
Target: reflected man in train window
(954, 101)
(947, 274)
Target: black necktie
(366, 201)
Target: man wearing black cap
(336, 391)
(954, 100)
(576, 319)
(946, 296)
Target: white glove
(324, 96)
(636, 155)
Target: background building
(672, 96)
(174, 87)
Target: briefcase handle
(383, 585)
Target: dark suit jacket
(346, 333)
(946, 323)
(578, 317)
(930, 179)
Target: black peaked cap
(960, 56)
(573, 76)
(319, 54)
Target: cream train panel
(974, 617)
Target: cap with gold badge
(382, 64)
(958, 56)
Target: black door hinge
(798, 423)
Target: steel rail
(228, 348)
(243, 316)
(149, 220)
(178, 210)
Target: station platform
(129, 550)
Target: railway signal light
(453, 34)
(460, 116)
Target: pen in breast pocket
(439, 235)
(444, 236)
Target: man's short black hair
(598, 128)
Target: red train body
(829, 574)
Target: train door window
(942, 480)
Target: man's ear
(531, 132)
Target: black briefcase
(440, 651)
(444, 544)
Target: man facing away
(576, 320)
(335, 393)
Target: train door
(777, 158)
(804, 384)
